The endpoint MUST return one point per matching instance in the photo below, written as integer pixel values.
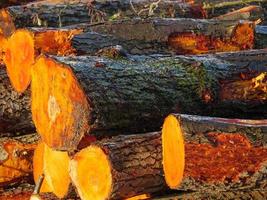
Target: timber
(180, 36)
(61, 13)
(16, 159)
(175, 157)
(261, 36)
(222, 172)
(106, 94)
(15, 112)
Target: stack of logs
(98, 80)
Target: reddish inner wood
(56, 42)
(231, 155)
(242, 38)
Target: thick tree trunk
(261, 37)
(62, 13)
(136, 93)
(130, 165)
(15, 113)
(142, 164)
(216, 160)
(16, 159)
(181, 36)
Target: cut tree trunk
(181, 36)
(15, 113)
(142, 164)
(54, 165)
(16, 159)
(261, 37)
(218, 160)
(135, 94)
(61, 13)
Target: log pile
(133, 99)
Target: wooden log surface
(222, 162)
(61, 13)
(105, 94)
(15, 113)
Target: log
(5, 3)
(221, 162)
(62, 13)
(180, 36)
(252, 13)
(15, 113)
(91, 94)
(54, 165)
(261, 37)
(143, 164)
(16, 159)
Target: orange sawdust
(191, 43)
(59, 105)
(56, 42)
(231, 155)
(17, 162)
(139, 197)
(247, 88)
(19, 58)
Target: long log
(62, 13)
(15, 113)
(91, 94)
(224, 161)
(143, 164)
(180, 36)
(261, 36)
(16, 159)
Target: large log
(15, 113)
(181, 36)
(16, 159)
(143, 164)
(261, 37)
(134, 94)
(61, 13)
(218, 160)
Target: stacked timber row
(192, 153)
(62, 13)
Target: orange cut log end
(56, 42)
(59, 106)
(90, 171)
(19, 58)
(173, 150)
(55, 167)
(15, 161)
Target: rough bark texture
(157, 36)
(135, 163)
(146, 89)
(261, 37)
(5, 3)
(15, 113)
(16, 159)
(208, 145)
(60, 13)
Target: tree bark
(5, 3)
(222, 161)
(15, 113)
(62, 13)
(114, 92)
(180, 36)
(261, 37)
(16, 159)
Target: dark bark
(58, 14)
(157, 36)
(261, 37)
(135, 94)
(15, 113)
(210, 150)
(5, 3)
